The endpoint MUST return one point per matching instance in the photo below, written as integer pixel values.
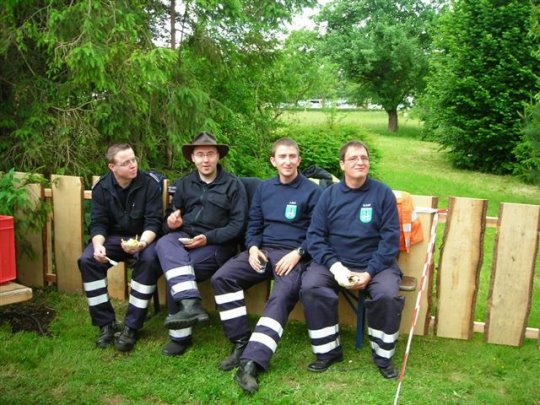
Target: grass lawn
(67, 368)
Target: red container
(8, 267)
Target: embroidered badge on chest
(290, 211)
(366, 214)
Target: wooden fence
(460, 255)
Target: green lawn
(68, 369)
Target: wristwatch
(301, 251)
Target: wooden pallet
(10, 293)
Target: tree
(78, 75)
(482, 74)
(380, 45)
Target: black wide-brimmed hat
(204, 139)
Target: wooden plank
(297, 314)
(30, 271)
(256, 297)
(11, 293)
(530, 333)
(68, 230)
(459, 267)
(412, 265)
(511, 285)
(117, 281)
(162, 291)
(207, 295)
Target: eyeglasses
(201, 155)
(128, 162)
(354, 159)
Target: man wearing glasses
(207, 219)
(354, 241)
(126, 204)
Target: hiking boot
(175, 348)
(106, 335)
(388, 371)
(190, 313)
(246, 376)
(234, 359)
(320, 365)
(126, 340)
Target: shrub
(319, 145)
(30, 216)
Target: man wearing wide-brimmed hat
(207, 219)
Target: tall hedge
(482, 75)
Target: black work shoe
(388, 371)
(320, 365)
(234, 359)
(175, 348)
(191, 313)
(246, 376)
(106, 335)
(126, 340)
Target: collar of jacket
(108, 181)
(220, 178)
(347, 189)
(295, 183)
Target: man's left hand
(361, 280)
(198, 241)
(285, 265)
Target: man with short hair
(354, 241)
(278, 220)
(126, 204)
(209, 211)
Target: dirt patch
(28, 317)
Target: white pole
(425, 273)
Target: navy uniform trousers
(320, 295)
(146, 272)
(229, 283)
(183, 268)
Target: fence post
(30, 271)
(511, 285)
(459, 267)
(67, 194)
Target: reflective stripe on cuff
(379, 334)
(324, 332)
(142, 288)
(264, 339)
(185, 286)
(100, 299)
(328, 347)
(95, 285)
(229, 297)
(232, 313)
(272, 324)
(179, 271)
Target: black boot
(234, 359)
(190, 313)
(106, 334)
(126, 340)
(175, 348)
(389, 371)
(246, 376)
